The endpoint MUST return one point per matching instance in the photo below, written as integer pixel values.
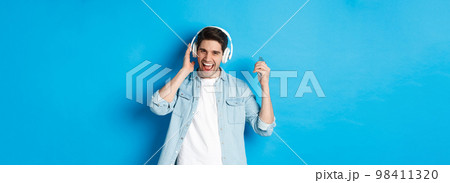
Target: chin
(207, 74)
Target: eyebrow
(214, 51)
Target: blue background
(383, 66)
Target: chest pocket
(183, 104)
(236, 110)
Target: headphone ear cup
(194, 50)
(226, 53)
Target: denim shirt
(236, 104)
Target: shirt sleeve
(252, 109)
(265, 126)
(161, 107)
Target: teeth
(207, 64)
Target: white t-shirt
(202, 142)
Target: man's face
(209, 57)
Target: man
(210, 107)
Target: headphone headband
(228, 53)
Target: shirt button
(182, 138)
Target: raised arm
(163, 99)
(168, 91)
(266, 112)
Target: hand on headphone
(187, 64)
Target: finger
(261, 67)
(188, 50)
(256, 69)
(266, 67)
(259, 63)
(261, 71)
(262, 63)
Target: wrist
(184, 72)
(265, 84)
(265, 90)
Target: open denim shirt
(236, 104)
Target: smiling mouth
(207, 67)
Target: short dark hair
(212, 33)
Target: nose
(208, 57)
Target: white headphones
(226, 54)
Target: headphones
(226, 54)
